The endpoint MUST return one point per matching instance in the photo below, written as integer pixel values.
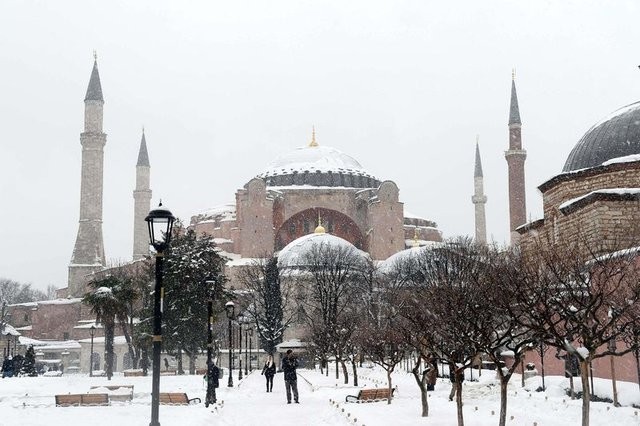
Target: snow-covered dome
(316, 165)
(617, 135)
(293, 254)
(406, 255)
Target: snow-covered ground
(30, 402)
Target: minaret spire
(88, 253)
(516, 157)
(141, 202)
(479, 199)
(313, 142)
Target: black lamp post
(250, 348)
(246, 350)
(92, 331)
(230, 308)
(211, 390)
(240, 321)
(160, 221)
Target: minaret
(515, 157)
(142, 202)
(88, 252)
(479, 200)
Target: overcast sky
(222, 88)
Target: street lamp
(250, 347)
(247, 359)
(230, 308)
(211, 390)
(160, 222)
(240, 321)
(92, 331)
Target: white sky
(222, 88)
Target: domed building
(310, 184)
(598, 191)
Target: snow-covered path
(250, 404)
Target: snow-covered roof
(291, 344)
(292, 255)
(387, 266)
(624, 159)
(8, 330)
(50, 345)
(610, 191)
(117, 340)
(223, 212)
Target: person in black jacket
(289, 365)
(269, 370)
(212, 376)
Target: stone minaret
(479, 200)
(515, 157)
(142, 203)
(88, 252)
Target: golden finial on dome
(415, 237)
(319, 229)
(313, 142)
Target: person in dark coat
(269, 370)
(7, 367)
(289, 365)
(213, 382)
(432, 373)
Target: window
(65, 336)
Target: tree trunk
(613, 382)
(420, 380)
(192, 363)
(355, 372)
(586, 395)
(344, 372)
(522, 370)
(132, 352)
(108, 347)
(458, 386)
(503, 401)
(390, 387)
(337, 369)
(180, 370)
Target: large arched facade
(334, 222)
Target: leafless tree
(332, 278)
(581, 299)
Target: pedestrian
(456, 375)
(289, 365)
(269, 370)
(212, 376)
(432, 373)
(166, 364)
(7, 367)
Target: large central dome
(617, 135)
(315, 165)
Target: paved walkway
(249, 404)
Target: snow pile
(292, 255)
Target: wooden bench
(76, 400)
(122, 397)
(134, 373)
(177, 399)
(370, 395)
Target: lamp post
(246, 350)
(160, 222)
(240, 321)
(230, 308)
(92, 331)
(250, 330)
(211, 390)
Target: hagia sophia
(597, 191)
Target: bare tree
(333, 277)
(581, 299)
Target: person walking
(456, 375)
(269, 370)
(289, 365)
(432, 373)
(213, 382)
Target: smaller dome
(319, 230)
(293, 254)
(615, 136)
(387, 266)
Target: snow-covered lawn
(30, 402)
